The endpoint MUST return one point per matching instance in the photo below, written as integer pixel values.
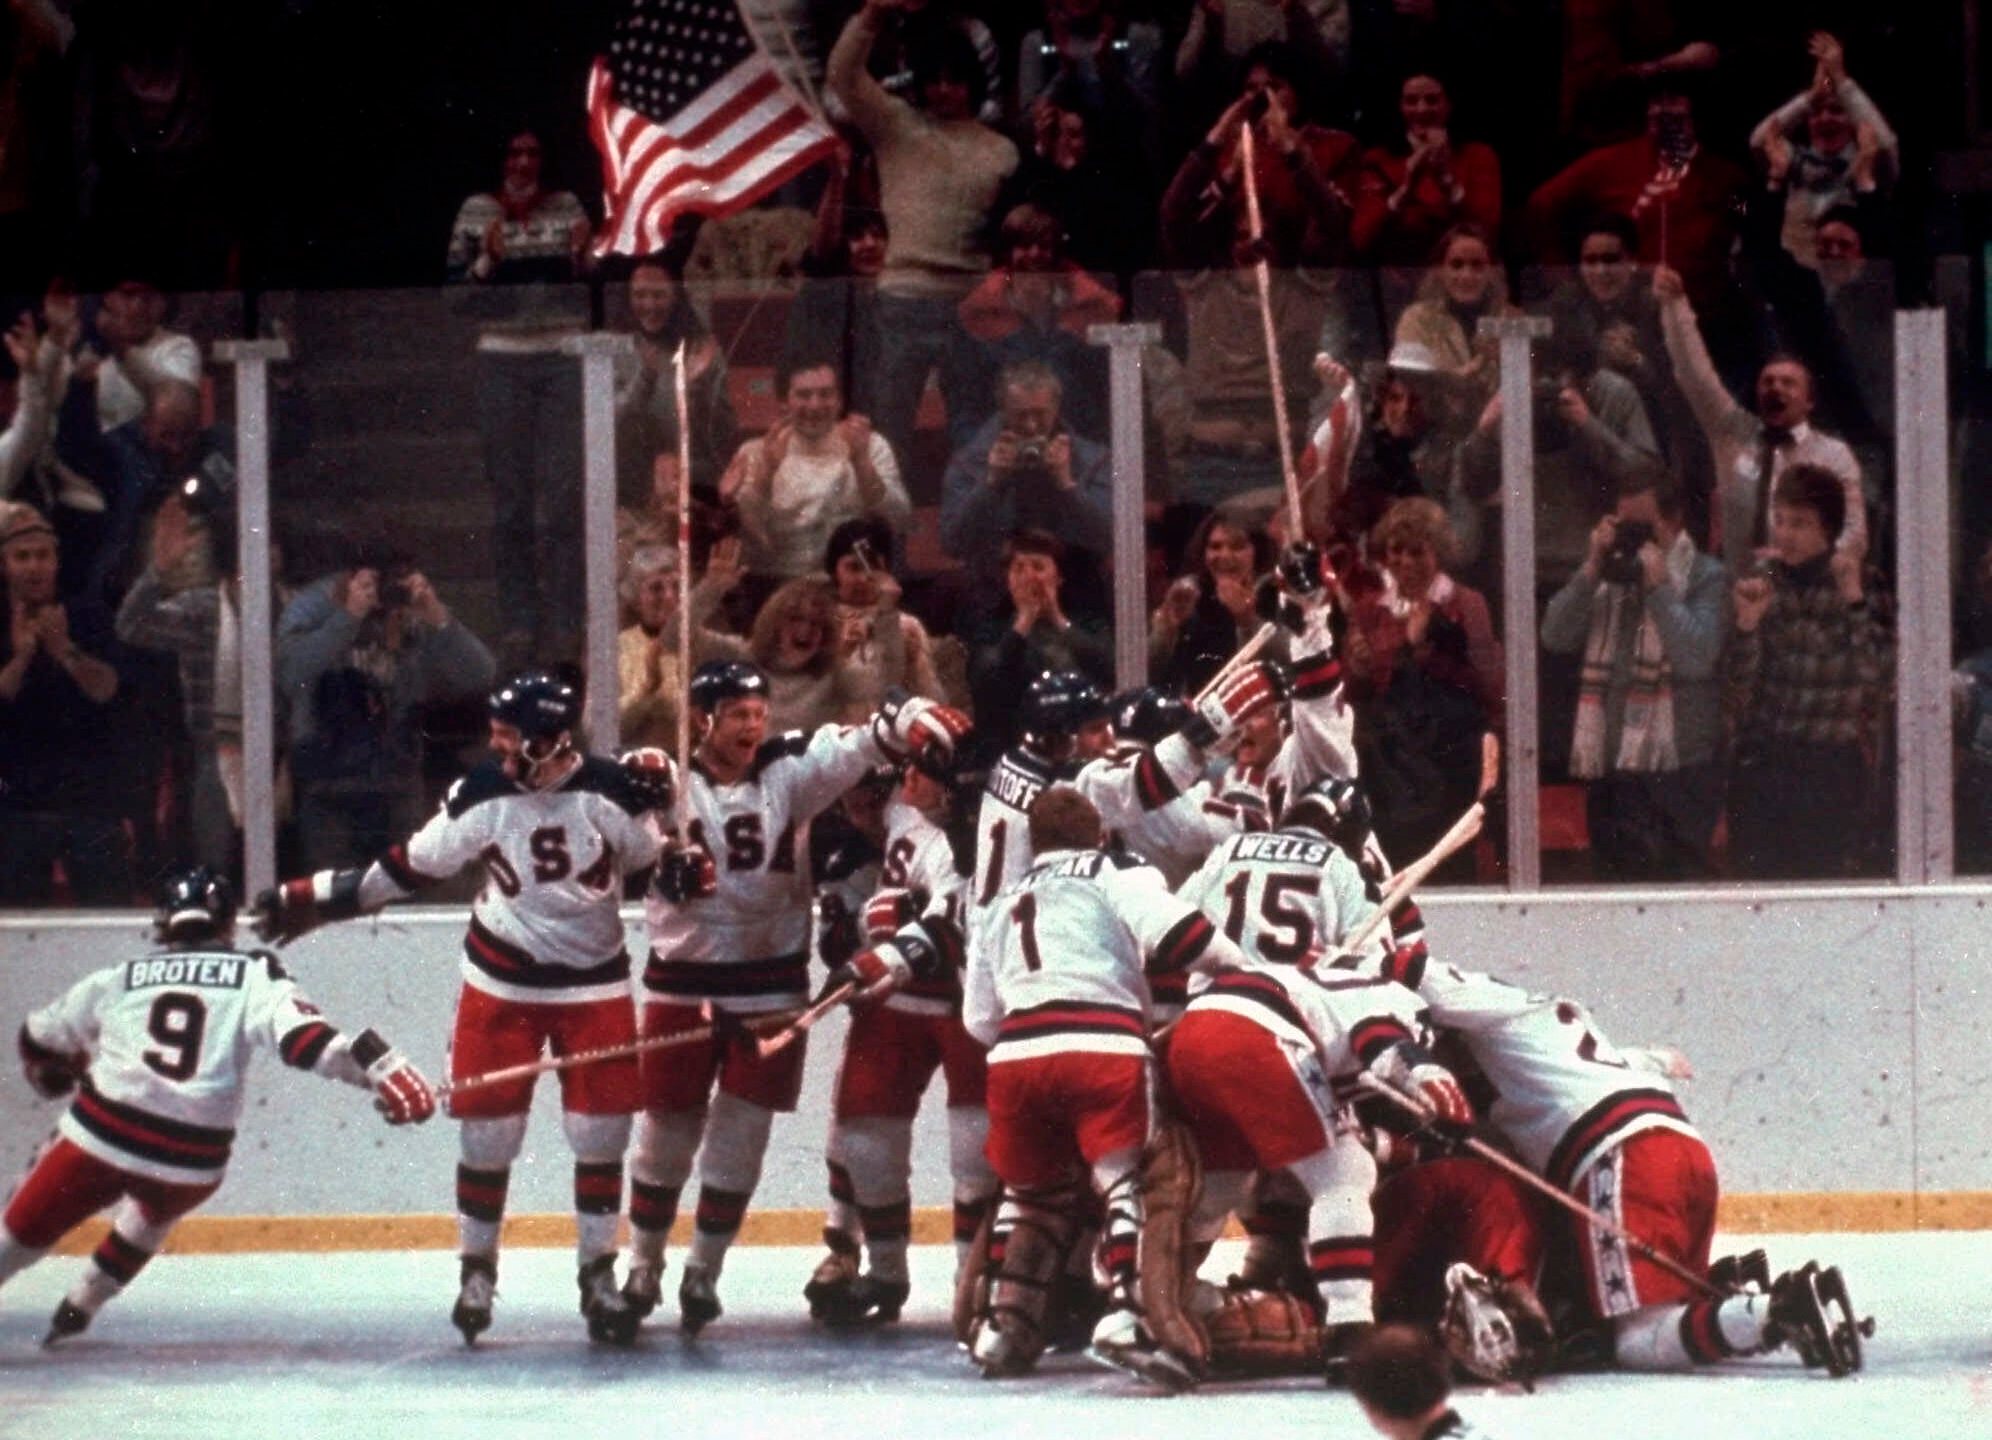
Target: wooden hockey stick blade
(802, 1024)
(1411, 1105)
(550, 1063)
(1401, 884)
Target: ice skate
(1004, 1345)
(643, 1287)
(476, 1285)
(1337, 1343)
(1798, 1317)
(879, 1301)
(1122, 1342)
(698, 1298)
(830, 1291)
(1846, 1330)
(68, 1320)
(610, 1319)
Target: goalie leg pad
(1039, 1229)
(1171, 1183)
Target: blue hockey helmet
(1148, 713)
(196, 905)
(718, 681)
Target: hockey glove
(648, 771)
(51, 1074)
(685, 873)
(1229, 702)
(401, 1092)
(297, 907)
(910, 726)
(872, 973)
(885, 912)
(1410, 1070)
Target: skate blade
(1844, 1356)
(1155, 1367)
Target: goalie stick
(551, 1063)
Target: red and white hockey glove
(873, 973)
(401, 1092)
(685, 873)
(912, 727)
(297, 907)
(1409, 1069)
(1226, 705)
(885, 912)
(649, 772)
(51, 1074)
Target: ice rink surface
(281, 1346)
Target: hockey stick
(1411, 1105)
(1240, 656)
(802, 1024)
(1401, 884)
(550, 1063)
(682, 801)
(1262, 274)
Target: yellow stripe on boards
(1856, 1212)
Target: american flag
(690, 115)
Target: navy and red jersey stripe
(1188, 938)
(152, 1137)
(727, 979)
(301, 1047)
(1172, 989)
(394, 860)
(1603, 1120)
(1370, 1038)
(1406, 965)
(1071, 1017)
(502, 960)
(1152, 784)
(1261, 990)
(1315, 675)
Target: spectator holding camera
(1804, 680)
(359, 654)
(1024, 470)
(1648, 612)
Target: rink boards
(1837, 1038)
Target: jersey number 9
(178, 1022)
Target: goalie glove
(685, 873)
(297, 907)
(1227, 704)
(1409, 1069)
(401, 1092)
(51, 1074)
(909, 727)
(648, 770)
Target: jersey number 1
(1025, 915)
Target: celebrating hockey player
(555, 831)
(1058, 988)
(729, 934)
(157, 1051)
(1264, 1061)
(1589, 1121)
(891, 1051)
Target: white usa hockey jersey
(1060, 961)
(1347, 1021)
(747, 946)
(1282, 895)
(546, 928)
(170, 1037)
(920, 862)
(1563, 1093)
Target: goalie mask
(1495, 1330)
(544, 709)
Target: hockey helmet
(1495, 1329)
(538, 704)
(1148, 714)
(195, 906)
(1056, 704)
(1335, 809)
(718, 681)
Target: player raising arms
(157, 1050)
(729, 933)
(544, 965)
(893, 1047)
(1058, 988)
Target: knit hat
(19, 520)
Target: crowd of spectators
(928, 501)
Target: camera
(394, 589)
(1620, 564)
(1031, 453)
